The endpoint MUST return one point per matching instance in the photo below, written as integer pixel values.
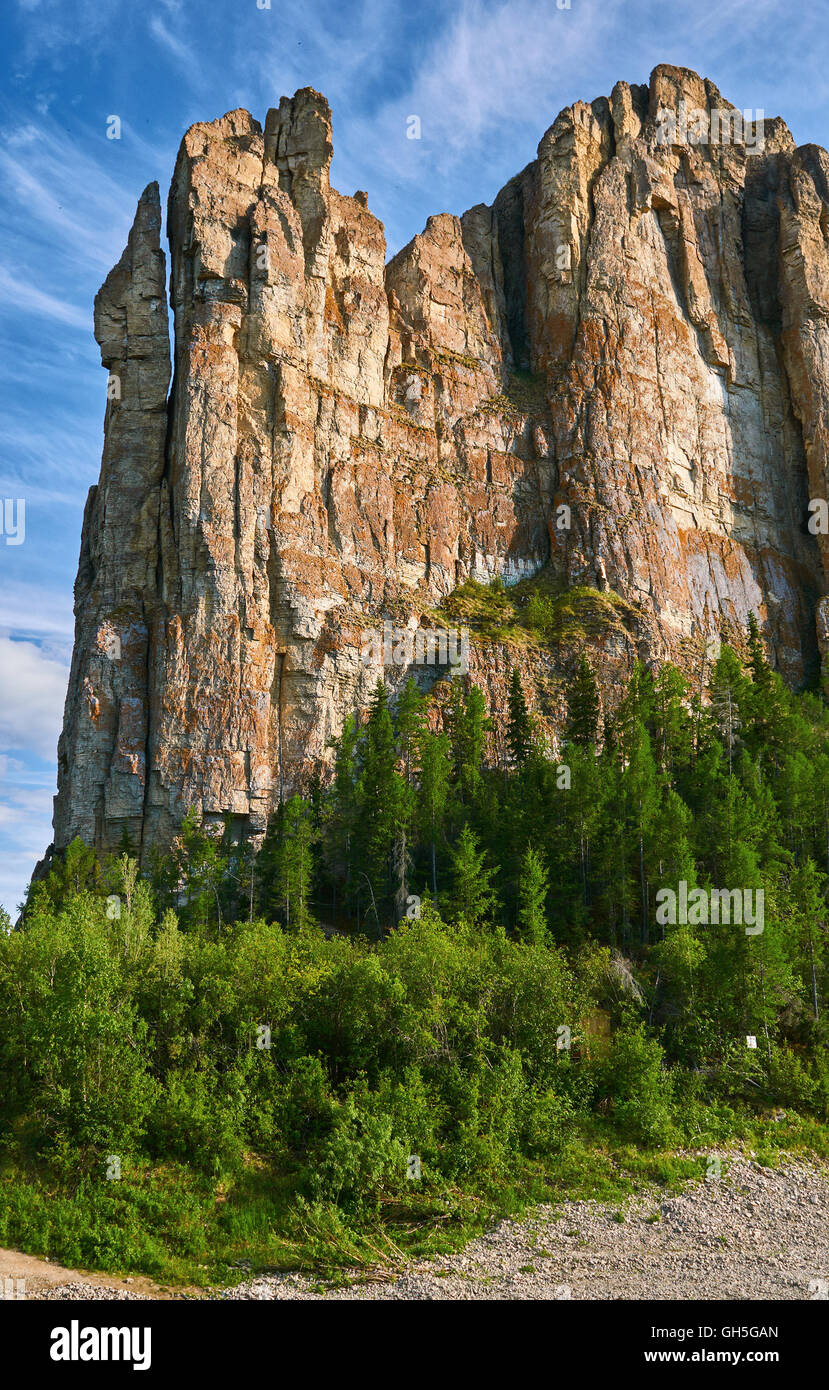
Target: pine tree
(642, 790)
(583, 708)
(765, 701)
(520, 726)
(580, 805)
(636, 708)
(532, 897)
(267, 865)
(294, 862)
(468, 727)
(74, 871)
(727, 693)
(757, 663)
(341, 815)
(410, 722)
(673, 729)
(808, 892)
(435, 771)
(671, 842)
(385, 801)
(473, 897)
(198, 864)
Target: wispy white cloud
(47, 455)
(32, 693)
(29, 609)
(44, 170)
(178, 48)
(497, 64)
(20, 803)
(34, 301)
(54, 29)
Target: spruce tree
(532, 897)
(673, 729)
(384, 799)
(520, 726)
(340, 816)
(473, 897)
(468, 727)
(642, 789)
(410, 722)
(583, 708)
(435, 770)
(294, 863)
(766, 703)
(727, 695)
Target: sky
(486, 79)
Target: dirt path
(43, 1279)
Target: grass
(181, 1228)
(541, 611)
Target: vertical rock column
(803, 252)
(102, 750)
(211, 663)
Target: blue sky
(486, 79)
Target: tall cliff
(636, 330)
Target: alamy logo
(704, 907)
(722, 126)
(76, 1343)
(400, 646)
(12, 526)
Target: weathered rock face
(636, 330)
(102, 764)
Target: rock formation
(637, 330)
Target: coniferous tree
(75, 871)
(520, 726)
(532, 896)
(642, 790)
(727, 695)
(468, 726)
(384, 799)
(267, 865)
(673, 729)
(808, 896)
(197, 869)
(473, 897)
(410, 724)
(294, 863)
(635, 711)
(765, 702)
(583, 708)
(341, 814)
(435, 770)
(671, 842)
(579, 799)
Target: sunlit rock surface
(636, 330)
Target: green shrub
(360, 1157)
(642, 1090)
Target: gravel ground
(753, 1233)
